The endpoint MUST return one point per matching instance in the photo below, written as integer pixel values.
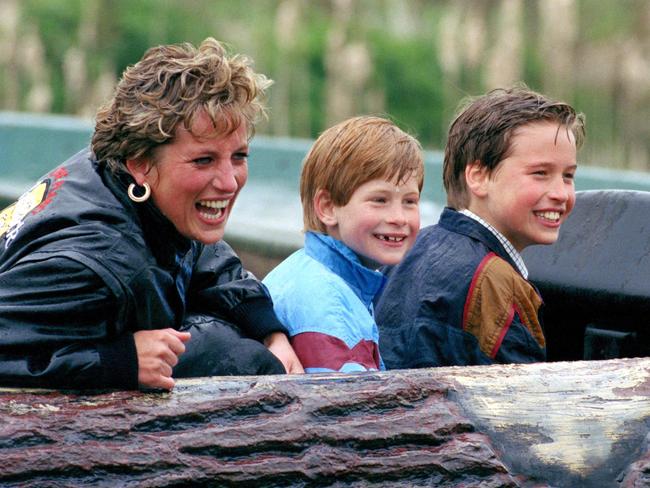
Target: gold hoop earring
(142, 198)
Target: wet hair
(484, 127)
(352, 153)
(170, 85)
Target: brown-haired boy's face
(531, 192)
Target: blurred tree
(347, 64)
(9, 79)
(413, 60)
(557, 45)
(503, 66)
(634, 106)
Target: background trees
(412, 59)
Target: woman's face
(196, 178)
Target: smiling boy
(461, 295)
(360, 189)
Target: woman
(112, 269)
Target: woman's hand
(278, 344)
(158, 352)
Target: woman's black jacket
(82, 268)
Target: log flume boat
(580, 420)
(581, 424)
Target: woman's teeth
(212, 209)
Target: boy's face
(531, 192)
(381, 220)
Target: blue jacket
(323, 295)
(457, 299)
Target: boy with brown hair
(360, 189)
(461, 295)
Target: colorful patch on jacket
(317, 350)
(498, 293)
(32, 201)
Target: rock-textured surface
(555, 424)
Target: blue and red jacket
(324, 297)
(457, 299)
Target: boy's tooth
(550, 215)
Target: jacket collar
(161, 236)
(507, 245)
(455, 221)
(341, 260)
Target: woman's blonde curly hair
(170, 85)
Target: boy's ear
(139, 168)
(476, 178)
(324, 208)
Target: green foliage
(407, 72)
(410, 76)
(601, 21)
(54, 21)
(314, 46)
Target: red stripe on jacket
(316, 350)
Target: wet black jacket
(82, 268)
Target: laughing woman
(113, 272)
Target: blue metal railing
(268, 212)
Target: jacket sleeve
(221, 286)
(494, 319)
(58, 328)
(501, 311)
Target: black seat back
(595, 280)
